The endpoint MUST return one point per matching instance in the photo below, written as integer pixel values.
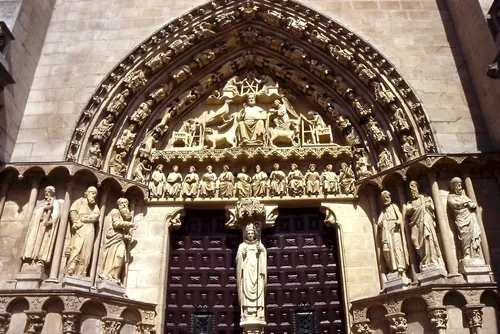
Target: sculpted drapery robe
(82, 219)
(190, 185)
(278, 183)
(226, 184)
(243, 186)
(115, 250)
(251, 125)
(312, 182)
(207, 185)
(392, 239)
(295, 182)
(251, 274)
(173, 186)
(330, 183)
(423, 232)
(41, 238)
(469, 232)
(259, 184)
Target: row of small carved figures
(277, 184)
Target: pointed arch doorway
(304, 290)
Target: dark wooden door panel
(303, 293)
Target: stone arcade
(252, 167)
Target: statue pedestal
(396, 282)
(30, 277)
(77, 283)
(475, 270)
(110, 289)
(253, 326)
(433, 275)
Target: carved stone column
(71, 322)
(111, 325)
(126, 265)
(438, 318)
(4, 190)
(469, 190)
(475, 316)
(374, 217)
(35, 186)
(362, 327)
(397, 322)
(98, 240)
(61, 235)
(451, 260)
(35, 321)
(4, 322)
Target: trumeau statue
(259, 182)
(392, 237)
(208, 183)
(173, 186)
(42, 230)
(117, 242)
(243, 184)
(277, 185)
(422, 218)
(226, 182)
(464, 216)
(83, 215)
(251, 275)
(157, 183)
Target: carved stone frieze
(72, 302)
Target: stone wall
(86, 39)
(28, 21)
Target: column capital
(35, 321)
(111, 325)
(397, 322)
(143, 328)
(361, 326)
(474, 314)
(71, 321)
(438, 316)
(4, 322)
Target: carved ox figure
(285, 135)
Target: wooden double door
(303, 292)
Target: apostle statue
(420, 210)
(157, 183)
(103, 129)
(259, 182)
(252, 119)
(392, 238)
(330, 181)
(208, 183)
(295, 181)
(312, 180)
(277, 186)
(226, 182)
(83, 215)
(117, 242)
(173, 186)
(464, 215)
(190, 185)
(243, 184)
(251, 275)
(346, 179)
(42, 230)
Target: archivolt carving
(347, 79)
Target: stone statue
(422, 217)
(148, 145)
(464, 216)
(142, 113)
(243, 184)
(312, 181)
(251, 276)
(362, 165)
(346, 179)
(374, 130)
(259, 182)
(83, 215)
(127, 139)
(118, 103)
(208, 183)
(409, 150)
(392, 238)
(117, 166)
(42, 230)
(141, 171)
(103, 130)
(173, 186)
(251, 119)
(117, 242)
(190, 185)
(226, 183)
(295, 181)
(385, 159)
(157, 183)
(330, 181)
(277, 186)
(95, 155)
(399, 120)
